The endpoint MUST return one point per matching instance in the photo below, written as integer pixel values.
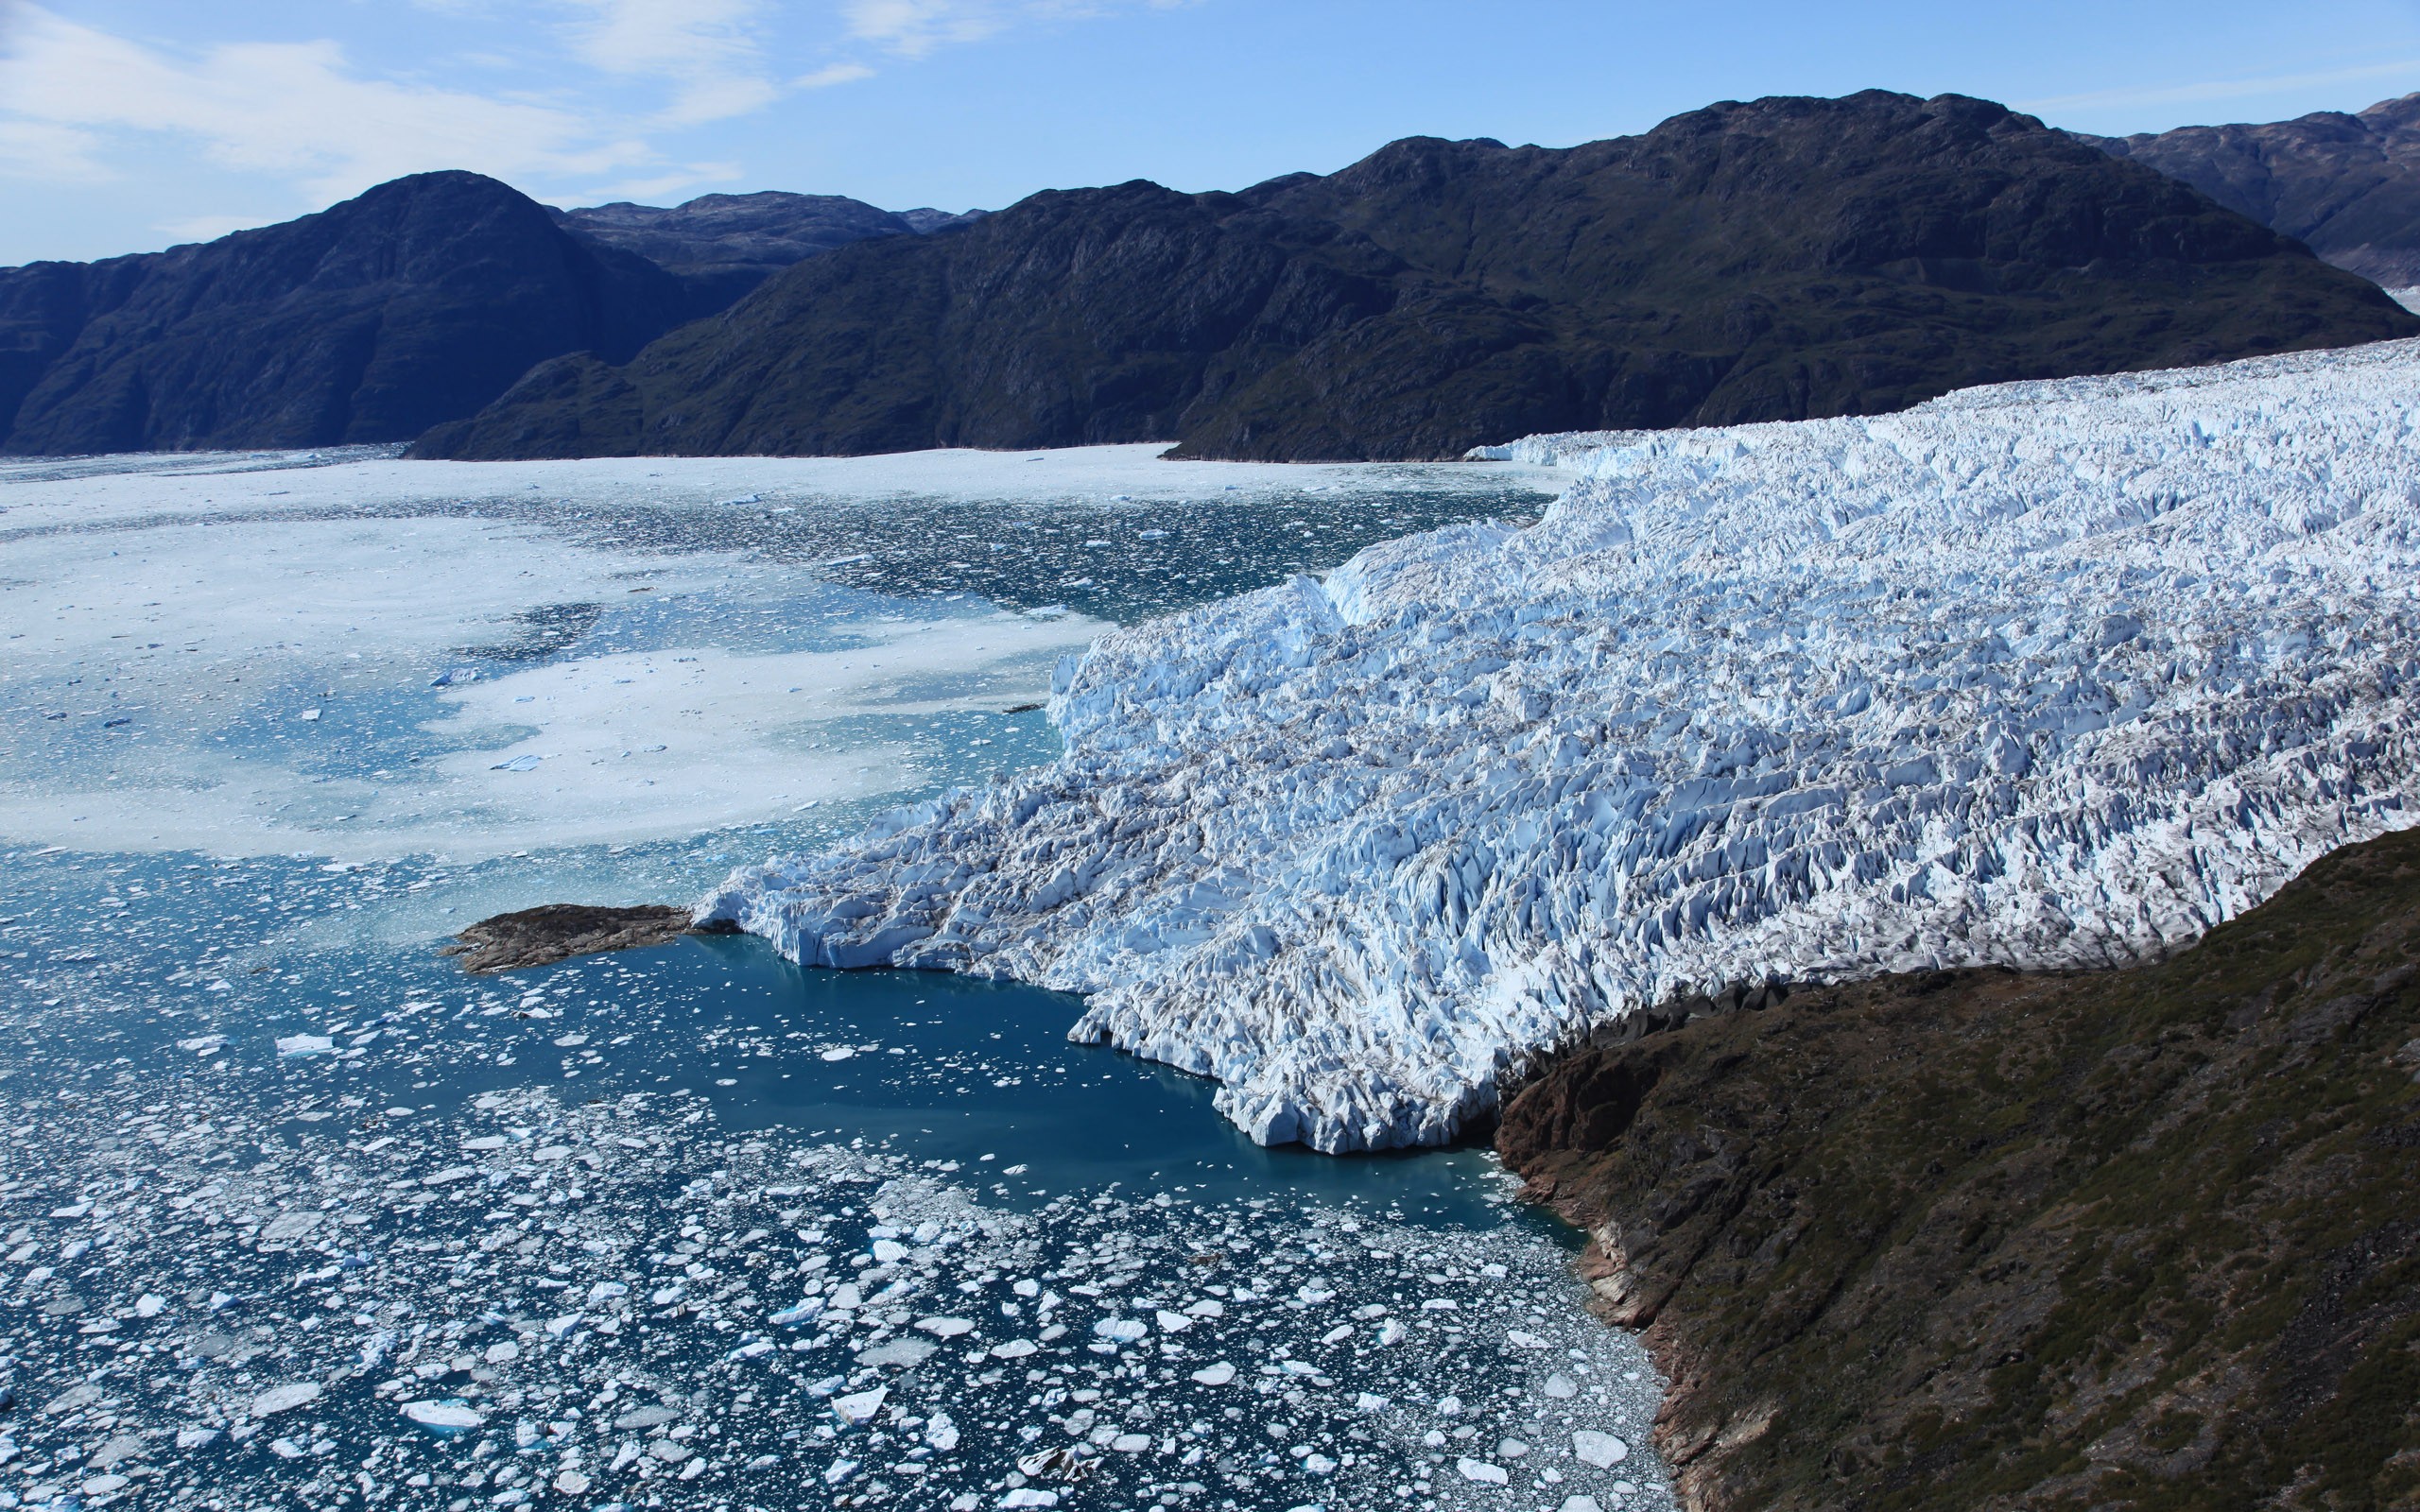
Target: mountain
(2348, 186)
(1769, 261)
(417, 303)
(731, 243)
(2138, 1239)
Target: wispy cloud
(711, 52)
(2407, 71)
(297, 110)
(914, 28)
(837, 74)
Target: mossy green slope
(2145, 1239)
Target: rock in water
(2055, 674)
(557, 932)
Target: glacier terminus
(2055, 674)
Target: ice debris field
(297, 1214)
(2052, 674)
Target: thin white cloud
(837, 74)
(663, 186)
(913, 28)
(2407, 71)
(294, 109)
(709, 50)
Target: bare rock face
(2347, 186)
(2125, 1239)
(558, 932)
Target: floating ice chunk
(889, 1251)
(797, 1313)
(304, 1044)
(570, 1483)
(517, 764)
(940, 1431)
(1121, 1330)
(449, 1175)
(1173, 1322)
(1601, 1450)
(286, 1398)
(905, 1353)
(750, 1349)
(1449, 1406)
(605, 1290)
(946, 1328)
(1521, 1340)
(1561, 1388)
(558, 1326)
(504, 1352)
(1511, 1448)
(1014, 1349)
(1337, 1335)
(858, 1408)
(839, 1052)
(665, 1295)
(149, 1305)
(1130, 1443)
(1027, 1288)
(192, 1438)
(1581, 1503)
(1481, 1471)
(1028, 1496)
(1369, 1401)
(1208, 1307)
(208, 1044)
(1392, 1333)
(1215, 1375)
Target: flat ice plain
(2050, 674)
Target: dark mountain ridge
(1776, 260)
(416, 302)
(728, 244)
(2346, 185)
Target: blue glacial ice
(2051, 675)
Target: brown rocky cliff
(2144, 1239)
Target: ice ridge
(2049, 675)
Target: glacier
(2048, 675)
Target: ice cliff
(2055, 674)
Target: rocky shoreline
(2142, 1238)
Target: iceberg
(2055, 674)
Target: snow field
(2055, 674)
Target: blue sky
(129, 125)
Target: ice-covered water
(298, 1213)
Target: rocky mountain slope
(2346, 185)
(728, 244)
(1769, 261)
(2048, 675)
(417, 303)
(2130, 1240)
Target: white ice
(2056, 674)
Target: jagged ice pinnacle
(2048, 675)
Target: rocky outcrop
(558, 932)
(1776, 260)
(2134, 1239)
(2346, 185)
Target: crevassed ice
(2050, 674)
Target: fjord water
(296, 1208)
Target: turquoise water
(298, 1212)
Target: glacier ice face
(2052, 674)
